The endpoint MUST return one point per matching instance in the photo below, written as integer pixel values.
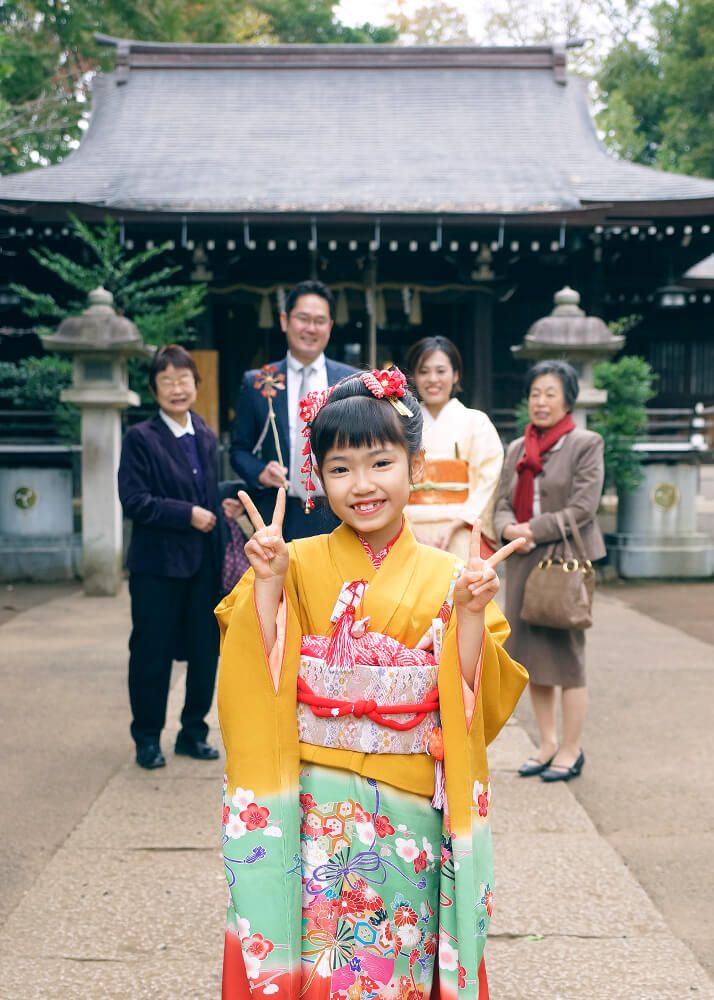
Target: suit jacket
(157, 491)
(251, 415)
(572, 478)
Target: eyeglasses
(304, 320)
(182, 382)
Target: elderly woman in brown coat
(555, 467)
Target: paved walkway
(129, 902)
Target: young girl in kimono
(362, 676)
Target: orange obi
(446, 480)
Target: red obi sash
(331, 708)
(379, 697)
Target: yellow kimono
(345, 881)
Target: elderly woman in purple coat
(168, 487)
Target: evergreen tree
(622, 420)
(659, 93)
(142, 291)
(163, 312)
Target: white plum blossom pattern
(448, 955)
(365, 833)
(252, 965)
(235, 827)
(242, 798)
(407, 849)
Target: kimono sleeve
(502, 678)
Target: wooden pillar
(207, 401)
(478, 341)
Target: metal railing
(694, 424)
(691, 424)
(34, 426)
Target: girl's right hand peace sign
(267, 550)
(478, 583)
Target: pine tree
(163, 312)
(142, 291)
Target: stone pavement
(131, 904)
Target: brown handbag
(559, 590)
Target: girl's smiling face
(368, 487)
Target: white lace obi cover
(348, 707)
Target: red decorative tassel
(341, 649)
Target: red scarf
(536, 444)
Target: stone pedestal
(100, 342)
(37, 540)
(656, 525)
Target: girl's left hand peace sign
(478, 584)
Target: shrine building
(446, 190)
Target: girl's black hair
(354, 418)
(424, 348)
(565, 372)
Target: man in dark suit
(307, 324)
(168, 487)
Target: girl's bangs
(356, 423)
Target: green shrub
(35, 384)
(622, 420)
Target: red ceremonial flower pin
(269, 380)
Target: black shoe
(198, 749)
(559, 772)
(529, 770)
(149, 756)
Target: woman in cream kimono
(463, 451)
(356, 833)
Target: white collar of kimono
(175, 427)
(447, 410)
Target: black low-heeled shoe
(198, 749)
(559, 772)
(149, 756)
(527, 770)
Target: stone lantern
(100, 342)
(568, 334)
